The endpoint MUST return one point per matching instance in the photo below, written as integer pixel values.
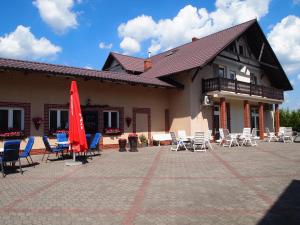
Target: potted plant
(122, 144)
(112, 131)
(143, 140)
(11, 133)
(133, 141)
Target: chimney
(195, 39)
(147, 64)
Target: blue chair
(49, 148)
(10, 154)
(94, 146)
(27, 150)
(62, 137)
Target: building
(231, 79)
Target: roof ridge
(127, 55)
(49, 64)
(190, 42)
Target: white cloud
(130, 45)
(58, 14)
(22, 44)
(190, 22)
(102, 45)
(298, 76)
(296, 2)
(285, 40)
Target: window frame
(232, 72)
(109, 118)
(11, 114)
(58, 116)
(241, 47)
(224, 70)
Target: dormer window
(231, 48)
(241, 50)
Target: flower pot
(133, 142)
(122, 145)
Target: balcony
(239, 87)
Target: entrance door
(90, 120)
(142, 122)
(255, 119)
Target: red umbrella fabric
(77, 136)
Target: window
(253, 78)
(232, 75)
(231, 48)
(59, 119)
(222, 71)
(11, 118)
(111, 119)
(241, 50)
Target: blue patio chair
(94, 145)
(27, 150)
(62, 137)
(49, 148)
(10, 154)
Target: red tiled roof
(79, 72)
(129, 62)
(194, 54)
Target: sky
(81, 33)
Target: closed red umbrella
(77, 136)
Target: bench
(161, 137)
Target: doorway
(90, 120)
(142, 122)
(254, 118)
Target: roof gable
(194, 54)
(129, 63)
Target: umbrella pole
(73, 162)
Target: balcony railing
(239, 87)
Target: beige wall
(38, 90)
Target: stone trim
(27, 113)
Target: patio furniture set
(285, 134)
(199, 142)
(10, 153)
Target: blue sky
(83, 32)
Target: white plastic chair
(229, 139)
(179, 143)
(247, 137)
(199, 141)
(207, 137)
(182, 135)
(222, 136)
(287, 134)
(271, 135)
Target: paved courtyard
(245, 185)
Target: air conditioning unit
(207, 100)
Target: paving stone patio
(240, 185)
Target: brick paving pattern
(241, 185)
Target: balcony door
(254, 118)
